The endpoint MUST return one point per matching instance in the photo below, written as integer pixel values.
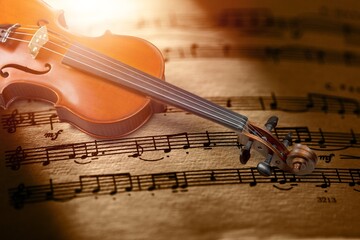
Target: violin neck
(100, 65)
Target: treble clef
(16, 158)
(19, 196)
(12, 122)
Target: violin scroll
(299, 160)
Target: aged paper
(179, 176)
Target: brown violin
(111, 85)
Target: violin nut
(301, 160)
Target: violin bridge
(38, 41)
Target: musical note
(187, 144)
(50, 193)
(54, 152)
(86, 154)
(182, 141)
(11, 122)
(274, 177)
(353, 137)
(153, 185)
(97, 188)
(168, 149)
(302, 133)
(73, 154)
(264, 53)
(259, 22)
(325, 106)
(273, 104)
(312, 102)
(114, 191)
(208, 142)
(127, 176)
(80, 189)
(212, 176)
(174, 178)
(253, 182)
(122, 181)
(31, 118)
(273, 53)
(352, 173)
(185, 184)
(327, 182)
(178, 139)
(239, 175)
(164, 180)
(116, 183)
(96, 150)
(322, 139)
(85, 150)
(51, 120)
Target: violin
(109, 86)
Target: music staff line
(85, 152)
(313, 102)
(258, 22)
(276, 54)
(115, 183)
(261, 22)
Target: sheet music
(179, 176)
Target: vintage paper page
(179, 176)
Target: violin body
(99, 108)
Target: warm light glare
(91, 13)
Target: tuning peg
(271, 123)
(245, 152)
(287, 140)
(264, 168)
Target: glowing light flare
(85, 15)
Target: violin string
(254, 131)
(244, 129)
(212, 105)
(116, 63)
(233, 124)
(196, 98)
